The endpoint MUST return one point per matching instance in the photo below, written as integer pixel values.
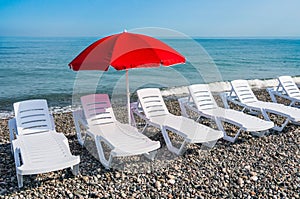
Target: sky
(203, 18)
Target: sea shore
(253, 167)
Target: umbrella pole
(128, 97)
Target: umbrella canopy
(124, 51)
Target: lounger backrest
(32, 116)
(243, 91)
(289, 86)
(152, 102)
(202, 97)
(97, 109)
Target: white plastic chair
(203, 103)
(242, 95)
(36, 146)
(101, 124)
(286, 89)
(153, 110)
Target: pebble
(254, 178)
(227, 170)
(171, 181)
(170, 176)
(117, 175)
(158, 184)
(241, 182)
(253, 173)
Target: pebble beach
(252, 167)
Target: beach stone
(240, 182)
(171, 176)
(171, 181)
(117, 175)
(158, 184)
(123, 195)
(254, 178)
(85, 179)
(252, 193)
(248, 168)
(253, 173)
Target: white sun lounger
(203, 103)
(101, 124)
(286, 89)
(36, 146)
(242, 95)
(153, 110)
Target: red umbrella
(124, 51)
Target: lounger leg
(210, 144)
(75, 169)
(18, 164)
(182, 148)
(293, 102)
(169, 144)
(151, 155)
(224, 100)
(12, 131)
(20, 180)
(280, 128)
(273, 98)
(76, 116)
(144, 128)
(232, 139)
(276, 128)
(259, 134)
(182, 107)
(198, 118)
(106, 163)
(227, 137)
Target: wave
(63, 103)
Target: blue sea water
(38, 67)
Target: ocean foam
(225, 86)
(176, 91)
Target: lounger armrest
(186, 101)
(186, 104)
(224, 97)
(179, 132)
(13, 131)
(80, 121)
(52, 122)
(100, 138)
(137, 109)
(281, 93)
(79, 117)
(16, 153)
(230, 96)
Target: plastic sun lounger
(203, 103)
(153, 110)
(242, 95)
(36, 146)
(101, 124)
(286, 89)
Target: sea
(37, 67)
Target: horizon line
(166, 37)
